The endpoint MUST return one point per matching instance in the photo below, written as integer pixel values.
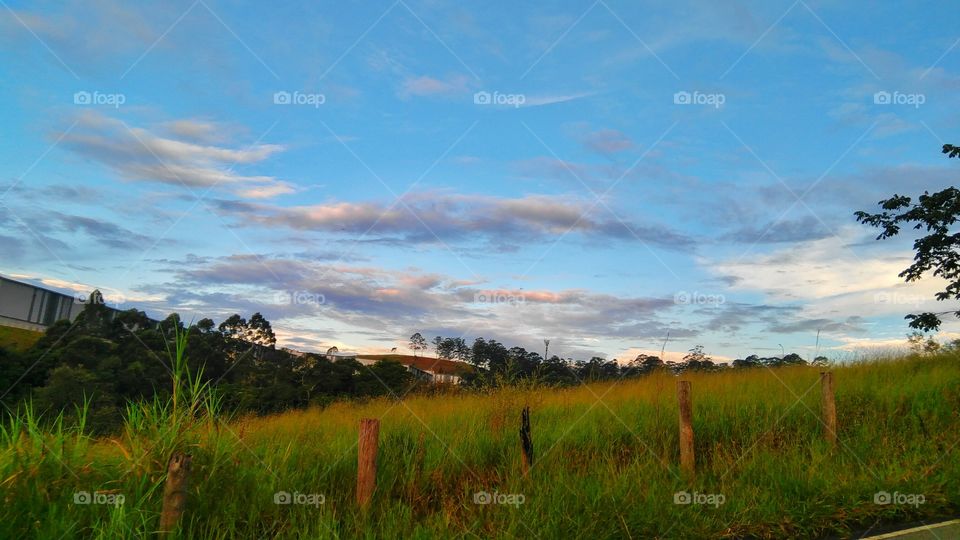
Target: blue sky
(640, 169)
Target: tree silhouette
(937, 252)
(417, 343)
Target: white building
(341, 355)
(34, 308)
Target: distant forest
(107, 359)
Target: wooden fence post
(175, 491)
(829, 406)
(367, 460)
(687, 459)
(526, 440)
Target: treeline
(110, 359)
(494, 363)
(107, 359)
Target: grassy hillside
(18, 339)
(606, 463)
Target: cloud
(607, 141)
(784, 230)
(429, 86)
(104, 232)
(354, 300)
(535, 100)
(140, 155)
(195, 130)
(52, 229)
(427, 217)
(834, 278)
(852, 324)
(11, 247)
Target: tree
(417, 343)
(921, 344)
(96, 316)
(748, 362)
(260, 332)
(461, 351)
(386, 377)
(696, 360)
(938, 252)
(437, 343)
(643, 364)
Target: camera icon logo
(482, 497)
(281, 98)
(482, 98)
(82, 98)
(282, 497)
(82, 497)
(682, 98)
(882, 98)
(882, 497)
(682, 497)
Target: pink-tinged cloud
(434, 217)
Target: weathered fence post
(175, 491)
(829, 406)
(526, 440)
(687, 459)
(367, 460)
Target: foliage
(417, 343)
(938, 252)
(758, 444)
(108, 359)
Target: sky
(616, 177)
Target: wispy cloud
(139, 154)
(420, 216)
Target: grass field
(18, 339)
(606, 463)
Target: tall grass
(606, 461)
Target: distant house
(433, 370)
(434, 376)
(341, 355)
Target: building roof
(434, 365)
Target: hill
(605, 465)
(18, 339)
